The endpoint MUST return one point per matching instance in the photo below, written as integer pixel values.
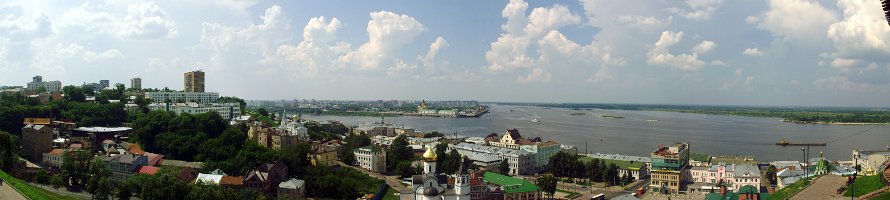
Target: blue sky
(765, 52)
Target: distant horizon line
(636, 104)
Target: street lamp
(856, 172)
(806, 168)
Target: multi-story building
(542, 151)
(182, 97)
(104, 83)
(323, 155)
(194, 81)
(276, 138)
(372, 158)
(225, 110)
(123, 166)
(136, 83)
(670, 166)
(715, 174)
(37, 139)
(266, 177)
(745, 175)
(49, 86)
(520, 162)
(53, 159)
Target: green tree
(346, 155)
(122, 191)
(404, 169)
(503, 167)
(164, 185)
(399, 151)
(8, 150)
(75, 166)
(296, 158)
(771, 174)
(42, 176)
(547, 183)
(98, 170)
(56, 181)
(74, 93)
(103, 190)
(263, 112)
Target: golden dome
(429, 155)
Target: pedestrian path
(8, 193)
(824, 187)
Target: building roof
(510, 184)
(150, 170)
(57, 152)
(34, 126)
(292, 184)
(746, 171)
(103, 129)
(180, 163)
(37, 121)
(208, 178)
(514, 133)
(231, 180)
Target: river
(640, 132)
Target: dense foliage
(8, 151)
(569, 165)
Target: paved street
(8, 193)
(825, 187)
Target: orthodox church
(431, 185)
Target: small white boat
(536, 121)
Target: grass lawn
(390, 194)
(570, 195)
(864, 185)
(786, 192)
(31, 191)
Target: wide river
(640, 132)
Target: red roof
(57, 152)
(148, 170)
(231, 180)
(134, 149)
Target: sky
(713, 52)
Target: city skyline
(712, 52)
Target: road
(8, 193)
(825, 187)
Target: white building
(371, 158)
(542, 152)
(746, 175)
(176, 97)
(226, 110)
(50, 86)
(521, 162)
(434, 186)
(871, 161)
(291, 189)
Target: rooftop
(103, 129)
(510, 184)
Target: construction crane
(886, 5)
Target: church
(430, 185)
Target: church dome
(429, 155)
(430, 191)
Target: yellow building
(323, 155)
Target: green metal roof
(511, 185)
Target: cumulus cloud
(862, 47)
(63, 56)
(510, 50)
(18, 27)
(387, 33)
(754, 52)
(234, 46)
(435, 47)
(147, 21)
(697, 9)
(643, 21)
(660, 54)
(317, 48)
(799, 21)
(704, 47)
(537, 75)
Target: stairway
(885, 176)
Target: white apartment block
(178, 97)
(371, 158)
(226, 110)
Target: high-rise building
(136, 83)
(670, 167)
(194, 81)
(37, 79)
(104, 83)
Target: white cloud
(844, 64)
(799, 21)
(863, 31)
(510, 50)
(754, 52)
(435, 47)
(704, 47)
(537, 75)
(660, 54)
(317, 48)
(845, 84)
(65, 56)
(643, 21)
(699, 10)
(387, 33)
(232, 46)
(147, 21)
(24, 27)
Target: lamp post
(855, 173)
(806, 167)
